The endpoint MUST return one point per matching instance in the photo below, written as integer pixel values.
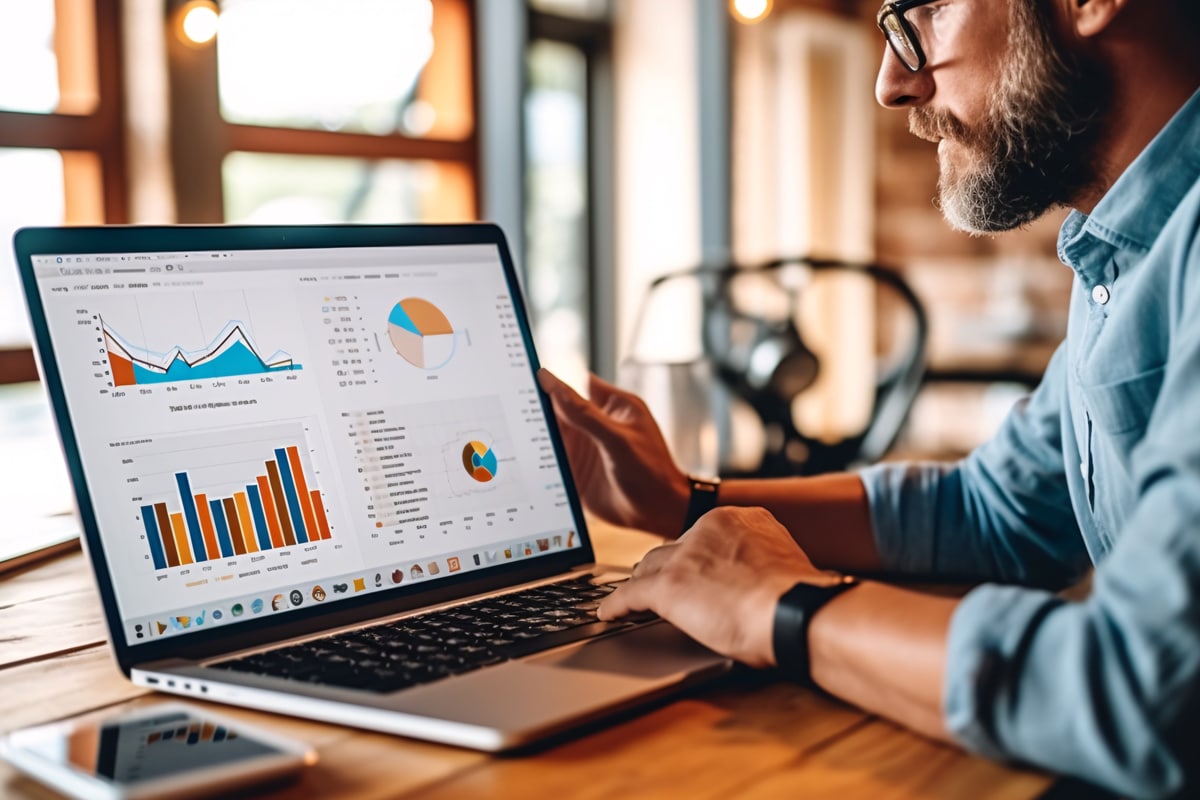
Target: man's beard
(1035, 150)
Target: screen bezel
(30, 242)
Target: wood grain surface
(750, 735)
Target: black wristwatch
(793, 615)
(702, 500)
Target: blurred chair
(750, 349)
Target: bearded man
(1035, 104)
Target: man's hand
(622, 467)
(720, 583)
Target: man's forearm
(827, 515)
(878, 646)
(883, 649)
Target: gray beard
(991, 198)
(1036, 150)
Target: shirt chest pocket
(1122, 408)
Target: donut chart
(479, 461)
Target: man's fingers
(578, 411)
(601, 390)
(550, 382)
(636, 594)
(632, 595)
(654, 560)
(566, 399)
(562, 394)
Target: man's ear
(1090, 17)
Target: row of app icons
(295, 598)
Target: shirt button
(1100, 294)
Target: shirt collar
(1133, 212)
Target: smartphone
(167, 750)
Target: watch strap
(701, 500)
(793, 615)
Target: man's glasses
(906, 23)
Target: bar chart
(239, 497)
(195, 733)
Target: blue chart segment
(232, 352)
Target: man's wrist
(793, 615)
(702, 498)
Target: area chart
(232, 352)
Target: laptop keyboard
(428, 647)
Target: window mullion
(198, 134)
(109, 118)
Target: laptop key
(526, 633)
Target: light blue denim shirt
(1100, 465)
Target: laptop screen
(269, 430)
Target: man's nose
(897, 87)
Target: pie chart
(480, 461)
(421, 333)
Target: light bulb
(750, 11)
(200, 22)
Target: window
(557, 204)
(306, 111)
(295, 111)
(567, 112)
(61, 162)
(61, 141)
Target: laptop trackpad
(654, 651)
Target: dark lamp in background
(750, 12)
(198, 22)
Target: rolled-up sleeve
(1003, 513)
(1104, 689)
(1103, 457)
(1108, 688)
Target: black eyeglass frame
(897, 9)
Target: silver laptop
(316, 475)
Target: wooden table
(748, 736)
